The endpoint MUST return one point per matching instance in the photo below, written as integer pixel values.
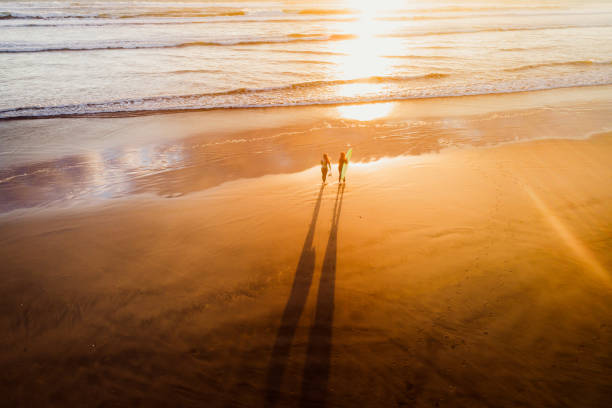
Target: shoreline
(87, 160)
(173, 111)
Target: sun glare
(372, 6)
(362, 57)
(366, 112)
(362, 61)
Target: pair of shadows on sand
(316, 370)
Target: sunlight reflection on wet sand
(365, 112)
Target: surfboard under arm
(348, 157)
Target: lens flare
(581, 251)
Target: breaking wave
(297, 94)
(225, 42)
(198, 101)
(558, 64)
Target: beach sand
(469, 276)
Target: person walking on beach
(341, 163)
(325, 164)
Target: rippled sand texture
(468, 278)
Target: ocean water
(115, 57)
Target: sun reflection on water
(361, 56)
(362, 61)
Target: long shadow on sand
(293, 310)
(318, 355)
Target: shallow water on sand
(172, 155)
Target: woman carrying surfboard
(343, 164)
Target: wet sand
(82, 160)
(472, 276)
